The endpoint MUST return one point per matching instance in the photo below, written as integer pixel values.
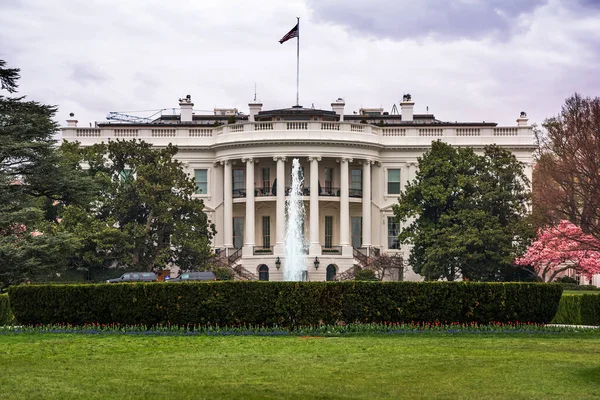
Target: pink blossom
(560, 248)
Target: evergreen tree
(465, 213)
(35, 183)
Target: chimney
(338, 107)
(187, 109)
(522, 120)
(255, 107)
(72, 123)
(406, 108)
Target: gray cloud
(106, 55)
(441, 19)
(83, 73)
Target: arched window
(331, 272)
(263, 273)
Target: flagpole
(298, 64)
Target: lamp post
(316, 262)
(278, 263)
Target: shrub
(6, 315)
(284, 303)
(575, 286)
(578, 310)
(566, 279)
(365, 275)
(223, 274)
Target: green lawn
(549, 366)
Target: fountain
(295, 259)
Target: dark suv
(135, 277)
(195, 276)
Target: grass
(406, 366)
(579, 292)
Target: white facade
(354, 166)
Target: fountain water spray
(295, 259)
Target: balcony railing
(330, 191)
(263, 191)
(241, 192)
(262, 250)
(355, 193)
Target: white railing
(163, 132)
(126, 132)
(263, 126)
(393, 131)
(468, 132)
(506, 131)
(431, 132)
(88, 132)
(330, 126)
(200, 132)
(297, 126)
(349, 131)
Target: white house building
(355, 166)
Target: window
(239, 186)
(328, 232)
(201, 180)
(393, 183)
(266, 180)
(263, 273)
(328, 179)
(266, 226)
(356, 223)
(238, 232)
(356, 182)
(393, 231)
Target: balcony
(330, 192)
(355, 193)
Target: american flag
(290, 35)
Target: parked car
(135, 277)
(195, 276)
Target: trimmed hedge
(6, 315)
(578, 309)
(284, 303)
(574, 286)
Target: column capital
(249, 160)
(282, 158)
(366, 161)
(344, 159)
(225, 162)
(314, 158)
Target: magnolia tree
(561, 248)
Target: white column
(315, 246)
(250, 223)
(366, 204)
(344, 208)
(280, 208)
(227, 205)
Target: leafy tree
(564, 247)
(567, 173)
(465, 213)
(145, 215)
(35, 184)
(384, 265)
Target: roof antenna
(427, 110)
(254, 91)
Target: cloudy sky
(467, 60)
